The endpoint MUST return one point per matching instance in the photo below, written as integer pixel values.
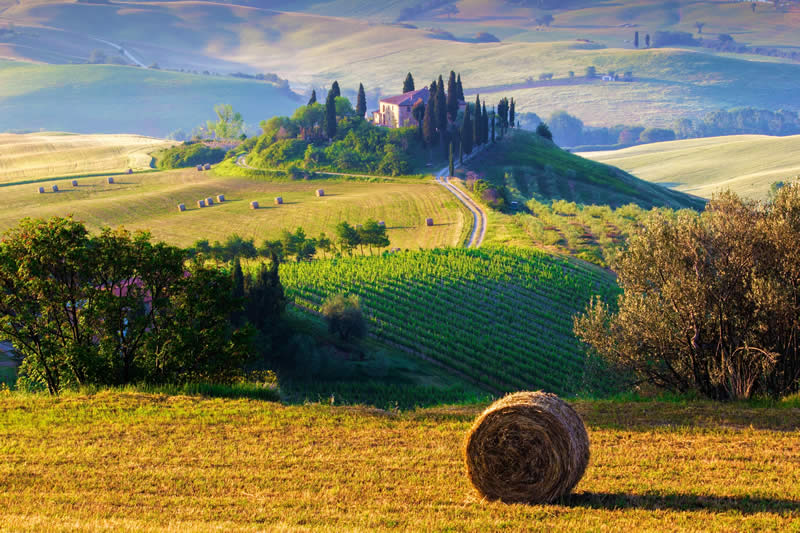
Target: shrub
(344, 316)
(188, 154)
(543, 131)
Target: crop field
(141, 462)
(745, 164)
(501, 318)
(149, 201)
(41, 155)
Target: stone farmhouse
(395, 111)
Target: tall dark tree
(476, 124)
(335, 89)
(493, 121)
(636, 39)
(408, 84)
(460, 88)
(451, 168)
(265, 298)
(361, 105)
(313, 99)
(511, 114)
(237, 288)
(647, 40)
(429, 124)
(484, 125)
(330, 115)
(452, 96)
(467, 132)
(418, 112)
(441, 106)
(502, 115)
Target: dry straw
(529, 447)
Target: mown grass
(746, 164)
(149, 201)
(41, 155)
(149, 462)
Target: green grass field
(149, 201)
(113, 99)
(40, 155)
(141, 462)
(745, 164)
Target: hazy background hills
(311, 43)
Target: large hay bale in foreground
(201, 203)
(529, 447)
(209, 201)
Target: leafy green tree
(408, 84)
(467, 132)
(395, 161)
(266, 300)
(229, 124)
(347, 237)
(373, 235)
(361, 102)
(542, 130)
(452, 96)
(313, 99)
(345, 317)
(343, 107)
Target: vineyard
(501, 319)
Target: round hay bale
(201, 203)
(207, 166)
(110, 180)
(253, 205)
(528, 447)
(181, 207)
(55, 188)
(209, 201)
(278, 200)
(320, 192)
(429, 222)
(220, 198)
(130, 171)
(41, 190)
(74, 183)
(382, 223)
(200, 168)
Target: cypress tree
(441, 106)
(466, 132)
(484, 125)
(493, 117)
(460, 88)
(237, 289)
(335, 89)
(511, 114)
(408, 85)
(476, 124)
(330, 115)
(313, 99)
(452, 166)
(429, 124)
(361, 105)
(452, 96)
(636, 39)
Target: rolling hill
(745, 164)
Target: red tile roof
(409, 98)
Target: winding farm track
(442, 177)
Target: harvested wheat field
(141, 462)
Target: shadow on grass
(681, 502)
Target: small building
(395, 111)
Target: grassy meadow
(149, 201)
(745, 164)
(142, 462)
(40, 155)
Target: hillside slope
(115, 99)
(745, 164)
(534, 167)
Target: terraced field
(503, 318)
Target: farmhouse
(395, 111)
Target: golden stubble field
(137, 462)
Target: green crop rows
(501, 317)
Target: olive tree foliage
(229, 124)
(344, 316)
(710, 302)
(112, 308)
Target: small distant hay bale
(382, 223)
(253, 205)
(201, 203)
(130, 171)
(529, 447)
(359, 226)
(74, 183)
(320, 192)
(55, 188)
(181, 207)
(220, 198)
(41, 190)
(429, 222)
(207, 166)
(209, 201)
(200, 168)
(278, 200)
(110, 180)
